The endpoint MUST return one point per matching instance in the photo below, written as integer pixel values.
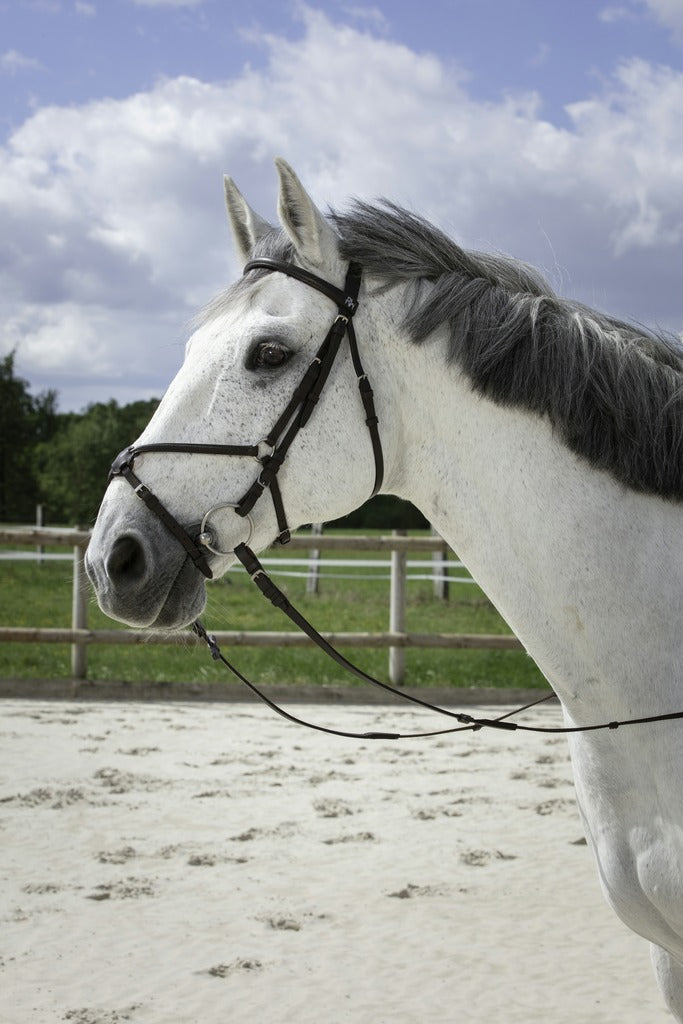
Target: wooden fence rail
(396, 638)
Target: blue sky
(74, 52)
(553, 131)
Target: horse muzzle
(141, 576)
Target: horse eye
(268, 355)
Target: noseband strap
(123, 466)
(293, 418)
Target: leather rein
(270, 453)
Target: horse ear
(313, 238)
(247, 226)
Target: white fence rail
(397, 639)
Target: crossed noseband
(270, 452)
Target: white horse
(543, 440)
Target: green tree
(24, 422)
(72, 467)
(384, 512)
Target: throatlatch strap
(306, 395)
(368, 399)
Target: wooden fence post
(397, 612)
(313, 577)
(40, 523)
(440, 569)
(79, 614)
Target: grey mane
(612, 391)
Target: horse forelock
(612, 391)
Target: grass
(40, 595)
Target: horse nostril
(127, 562)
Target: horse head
(255, 347)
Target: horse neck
(588, 574)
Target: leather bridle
(271, 452)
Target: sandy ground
(204, 864)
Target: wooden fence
(396, 638)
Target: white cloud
(168, 3)
(111, 221)
(45, 6)
(670, 14)
(60, 333)
(542, 55)
(612, 14)
(373, 17)
(636, 141)
(12, 62)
